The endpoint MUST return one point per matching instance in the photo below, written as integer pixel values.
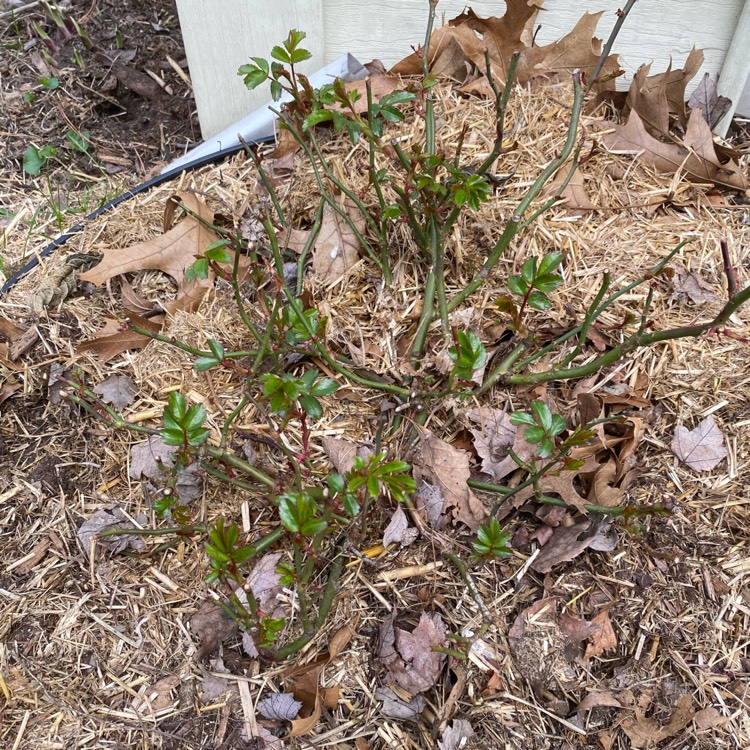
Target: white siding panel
(220, 35)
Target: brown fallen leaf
(457, 736)
(597, 699)
(212, 625)
(305, 683)
(708, 718)
(450, 48)
(118, 390)
(336, 248)
(574, 193)
(603, 492)
(579, 49)
(398, 530)
(279, 707)
(408, 656)
(567, 542)
(494, 440)
(395, 707)
(102, 520)
(114, 337)
(501, 36)
(430, 503)
(647, 733)
(712, 106)
(696, 155)
(341, 453)
(702, 448)
(603, 639)
(447, 468)
(158, 696)
(656, 97)
(172, 253)
(691, 285)
(380, 85)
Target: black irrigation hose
(153, 182)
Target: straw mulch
(98, 654)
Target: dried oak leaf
(647, 733)
(398, 530)
(430, 503)
(494, 440)
(567, 542)
(712, 106)
(448, 468)
(279, 707)
(702, 448)
(118, 390)
(656, 97)
(108, 518)
(336, 248)
(395, 707)
(578, 49)
(696, 155)
(408, 656)
(603, 639)
(212, 625)
(500, 36)
(456, 736)
(172, 252)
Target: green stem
(319, 345)
(265, 180)
(589, 318)
(429, 116)
(636, 341)
(621, 16)
(326, 602)
(314, 231)
(512, 227)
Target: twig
(621, 16)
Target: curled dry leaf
(495, 438)
(398, 530)
(702, 448)
(696, 155)
(456, 736)
(395, 707)
(172, 253)
(603, 639)
(431, 503)
(118, 390)
(279, 707)
(305, 683)
(447, 468)
(336, 248)
(108, 518)
(408, 656)
(567, 542)
(712, 106)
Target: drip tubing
(213, 158)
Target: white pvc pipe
(262, 123)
